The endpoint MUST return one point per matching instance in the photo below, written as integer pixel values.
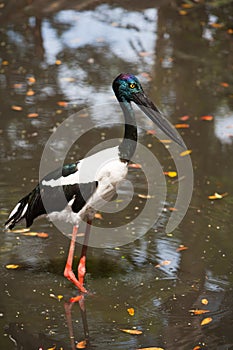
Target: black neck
(129, 142)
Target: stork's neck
(129, 142)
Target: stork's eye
(132, 85)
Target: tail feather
(18, 213)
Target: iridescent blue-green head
(127, 89)
(125, 86)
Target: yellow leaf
(183, 12)
(204, 301)
(5, 63)
(206, 321)
(21, 230)
(165, 141)
(132, 331)
(185, 153)
(53, 348)
(216, 195)
(131, 311)
(58, 62)
(12, 266)
(145, 196)
(170, 173)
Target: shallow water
(183, 57)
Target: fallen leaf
(204, 301)
(62, 103)
(165, 141)
(20, 230)
(144, 53)
(183, 12)
(187, 6)
(16, 108)
(58, 297)
(5, 63)
(98, 216)
(12, 266)
(172, 209)
(132, 331)
(230, 31)
(185, 153)
(184, 118)
(145, 196)
(207, 117)
(42, 235)
(81, 344)
(153, 348)
(206, 321)
(53, 348)
(196, 347)
(151, 132)
(181, 248)
(31, 80)
(170, 173)
(32, 115)
(18, 85)
(58, 62)
(30, 92)
(198, 311)
(164, 263)
(216, 25)
(131, 311)
(182, 126)
(216, 195)
(224, 84)
(135, 166)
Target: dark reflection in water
(57, 58)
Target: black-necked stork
(81, 195)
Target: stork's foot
(69, 274)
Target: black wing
(45, 199)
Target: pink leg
(68, 272)
(82, 261)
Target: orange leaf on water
(181, 247)
(204, 301)
(62, 103)
(131, 311)
(32, 115)
(217, 25)
(153, 348)
(30, 92)
(196, 347)
(187, 6)
(198, 311)
(206, 320)
(16, 108)
(182, 126)
(165, 141)
(135, 166)
(151, 132)
(164, 263)
(184, 118)
(81, 344)
(207, 117)
(42, 235)
(31, 80)
(224, 84)
(131, 331)
(183, 12)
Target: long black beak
(148, 107)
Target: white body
(104, 167)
